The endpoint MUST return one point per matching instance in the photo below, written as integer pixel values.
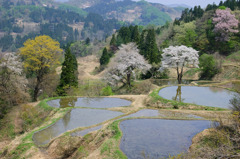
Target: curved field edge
(171, 104)
(26, 142)
(111, 147)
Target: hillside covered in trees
(23, 19)
(60, 59)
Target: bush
(208, 67)
(106, 91)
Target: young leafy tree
(124, 64)
(69, 73)
(225, 24)
(179, 57)
(40, 56)
(208, 67)
(104, 60)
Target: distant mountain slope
(24, 19)
(140, 13)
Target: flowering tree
(123, 66)
(13, 84)
(40, 56)
(179, 57)
(225, 24)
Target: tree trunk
(36, 89)
(180, 75)
(129, 80)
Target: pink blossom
(225, 24)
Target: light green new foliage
(185, 34)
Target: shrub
(208, 67)
(107, 91)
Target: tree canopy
(123, 66)
(225, 24)
(179, 57)
(40, 56)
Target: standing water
(158, 138)
(207, 96)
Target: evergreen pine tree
(151, 49)
(135, 35)
(141, 44)
(87, 41)
(113, 40)
(105, 57)
(69, 73)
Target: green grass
(111, 146)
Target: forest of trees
(52, 22)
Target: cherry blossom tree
(179, 57)
(225, 24)
(126, 62)
(13, 84)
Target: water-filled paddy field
(158, 138)
(88, 102)
(207, 96)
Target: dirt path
(86, 66)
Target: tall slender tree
(105, 57)
(151, 49)
(69, 73)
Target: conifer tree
(135, 35)
(113, 40)
(105, 57)
(151, 49)
(141, 44)
(69, 73)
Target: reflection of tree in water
(66, 119)
(91, 100)
(68, 102)
(216, 89)
(178, 96)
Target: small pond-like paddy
(88, 102)
(207, 96)
(72, 120)
(158, 138)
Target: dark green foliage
(6, 42)
(69, 73)
(141, 45)
(189, 15)
(208, 67)
(113, 40)
(128, 34)
(125, 34)
(61, 32)
(135, 34)
(104, 60)
(151, 53)
(87, 41)
(54, 22)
